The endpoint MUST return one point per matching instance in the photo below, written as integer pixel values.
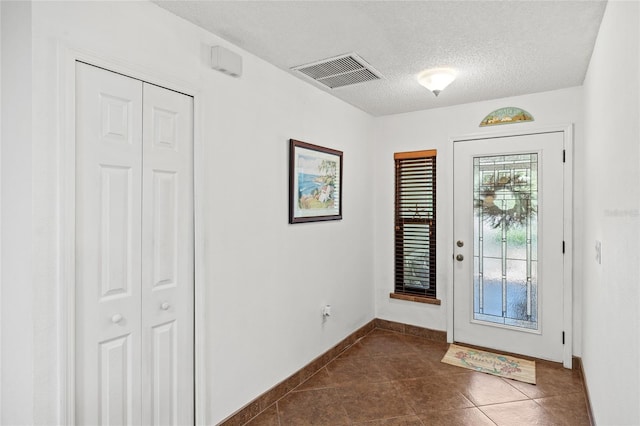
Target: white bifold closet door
(134, 252)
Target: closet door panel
(167, 257)
(108, 246)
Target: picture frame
(315, 183)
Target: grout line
(278, 412)
(486, 415)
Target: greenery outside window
(415, 225)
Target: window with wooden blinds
(415, 223)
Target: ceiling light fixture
(436, 79)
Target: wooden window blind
(415, 223)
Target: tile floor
(394, 379)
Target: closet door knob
(116, 318)
(165, 306)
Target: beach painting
(315, 183)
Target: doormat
(487, 362)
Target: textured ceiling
(499, 48)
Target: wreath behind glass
(506, 201)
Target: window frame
(407, 187)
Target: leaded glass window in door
(506, 240)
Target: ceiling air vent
(340, 71)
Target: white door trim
(568, 260)
(67, 204)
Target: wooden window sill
(415, 298)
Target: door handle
(459, 258)
(116, 318)
(165, 306)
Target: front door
(509, 244)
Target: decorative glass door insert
(505, 243)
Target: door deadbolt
(459, 258)
(460, 243)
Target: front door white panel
(508, 228)
(134, 251)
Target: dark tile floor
(393, 379)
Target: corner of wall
(612, 217)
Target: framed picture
(315, 183)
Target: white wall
(0, 209)
(434, 129)
(611, 349)
(265, 281)
(269, 279)
(16, 308)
